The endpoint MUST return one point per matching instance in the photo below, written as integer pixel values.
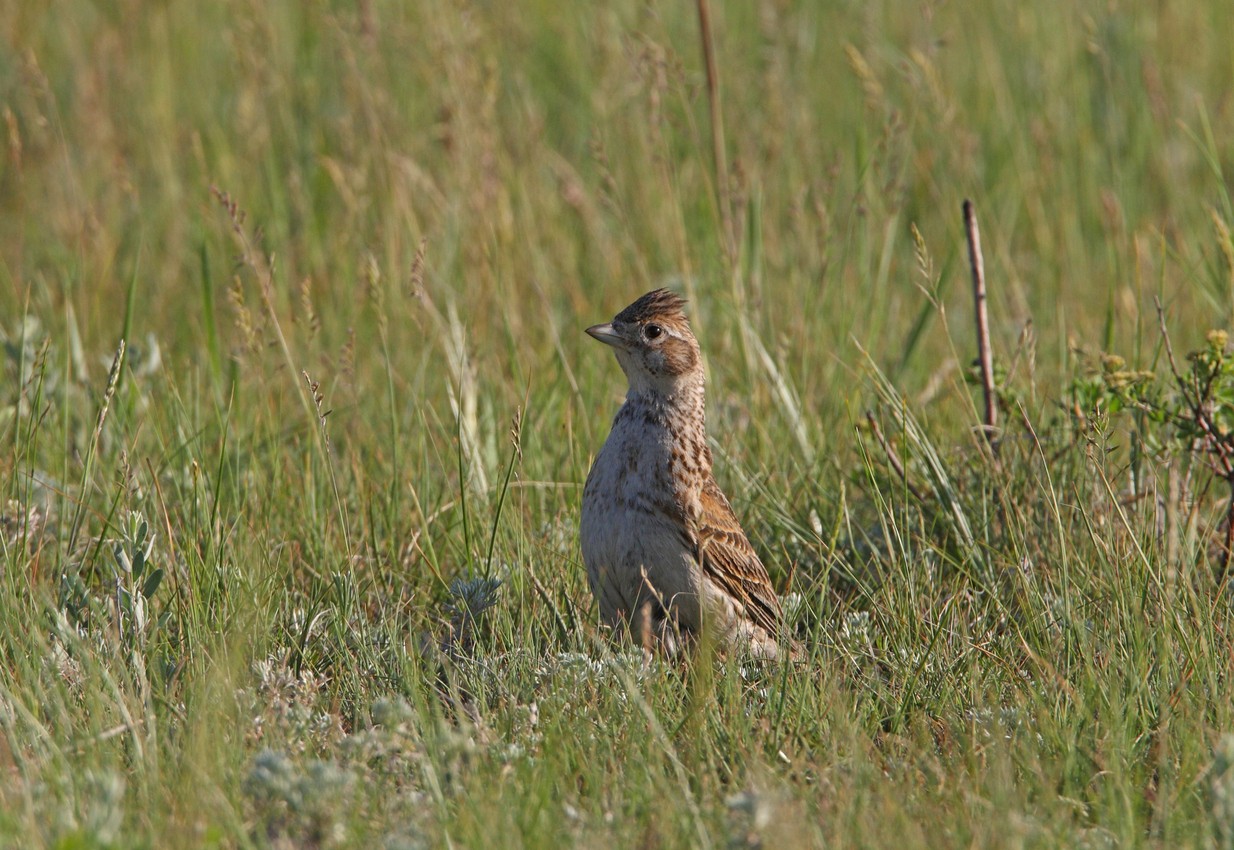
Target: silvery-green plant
(136, 579)
(469, 600)
(304, 805)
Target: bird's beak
(606, 335)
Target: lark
(665, 554)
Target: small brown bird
(664, 552)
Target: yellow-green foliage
(296, 565)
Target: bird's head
(654, 344)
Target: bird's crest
(659, 303)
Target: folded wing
(728, 559)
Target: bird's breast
(634, 509)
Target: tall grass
(303, 571)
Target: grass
(295, 393)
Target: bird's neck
(682, 395)
(679, 407)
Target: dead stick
(984, 353)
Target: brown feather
(730, 561)
(657, 304)
(657, 533)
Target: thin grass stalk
(719, 157)
(113, 379)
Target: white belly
(635, 551)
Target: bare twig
(892, 458)
(984, 353)
(1165, 338)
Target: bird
(664, 552)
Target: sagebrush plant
(277, 570)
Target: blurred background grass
(421, 206)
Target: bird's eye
(653, 331)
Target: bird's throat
(675, 418)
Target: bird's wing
(728, 559)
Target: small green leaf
(122, 558)
(152, 583)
